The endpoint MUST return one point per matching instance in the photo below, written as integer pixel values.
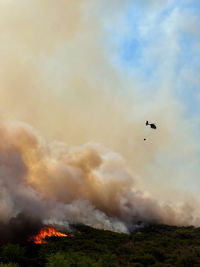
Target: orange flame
(47, 232)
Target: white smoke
(88, 184)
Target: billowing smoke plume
(56, 184)
(62, 70)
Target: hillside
(155, 245)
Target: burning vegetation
(47, 232)
(154, 245)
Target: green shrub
(61, 259)
(57, 260)
(108, 260)
(158, 254)
(188, 261)
(9, 265)
(137, 264)
(13, 253)
(146, 259)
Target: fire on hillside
(47, 232)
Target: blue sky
(155, 47)
(160, 41)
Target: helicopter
(152, 126)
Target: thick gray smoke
(88, 184)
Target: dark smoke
(19, 228)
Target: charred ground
(155, 245)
